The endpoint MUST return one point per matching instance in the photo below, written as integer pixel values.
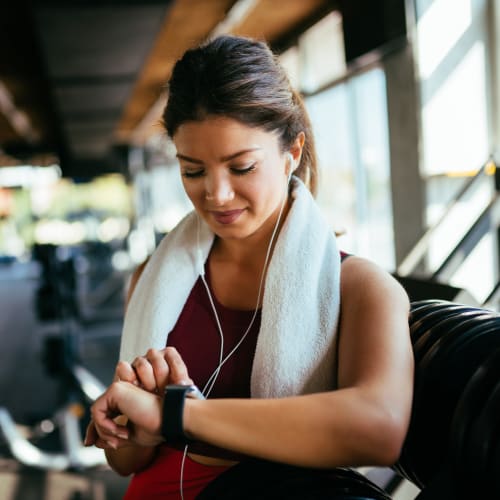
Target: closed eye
(243, 171)
(191, 174)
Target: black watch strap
(172, 428)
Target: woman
(298, 366)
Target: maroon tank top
(196, 337)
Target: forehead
(222, 134)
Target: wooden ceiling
(83, 78)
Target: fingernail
(122, 436)
(111, 445)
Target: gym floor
(30, 394)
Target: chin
(230, 233)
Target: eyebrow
(224, 158)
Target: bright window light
(28, 176)
(438, 30)
(455, 129)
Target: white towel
(295, 351)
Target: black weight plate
(451, 338)
(482, 435)
(430, 317)
(405, 465)
(421, 307)
(420, 334)
(430, 313)
(467, 354)
(472, 400)
(423, 314)
(448, 325)
(441, 355)
(451, 368)
(427, 317)
(439, 396)
(433, 408)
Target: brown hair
(242, 79)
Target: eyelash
(235, 171)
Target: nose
(218, 189)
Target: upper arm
(375, 352)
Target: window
(350, 125)
(349, 119)
(452, 58)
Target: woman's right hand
(151, 373)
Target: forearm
(341, 428)
(130, 459)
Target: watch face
(191, 391)
(195, 393)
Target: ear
(297, 147)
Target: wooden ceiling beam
(187, 23)
(272, 19)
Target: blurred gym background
(404, 99)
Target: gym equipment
(56, 302)
(453, 437)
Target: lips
(227, 216)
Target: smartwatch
(172, 428)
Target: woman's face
(235, 175)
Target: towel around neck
(295, 352)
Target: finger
(105, 409)
(178, 369)
(145, 374)
(112, 443)
(111, 433)
(121, 398)
(91, 435)
(160, 368)
(125, 372)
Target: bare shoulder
(375, 347)
(364, 281)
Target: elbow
(122, 471)
(122, 467)
(388, 439)
(389, 454)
